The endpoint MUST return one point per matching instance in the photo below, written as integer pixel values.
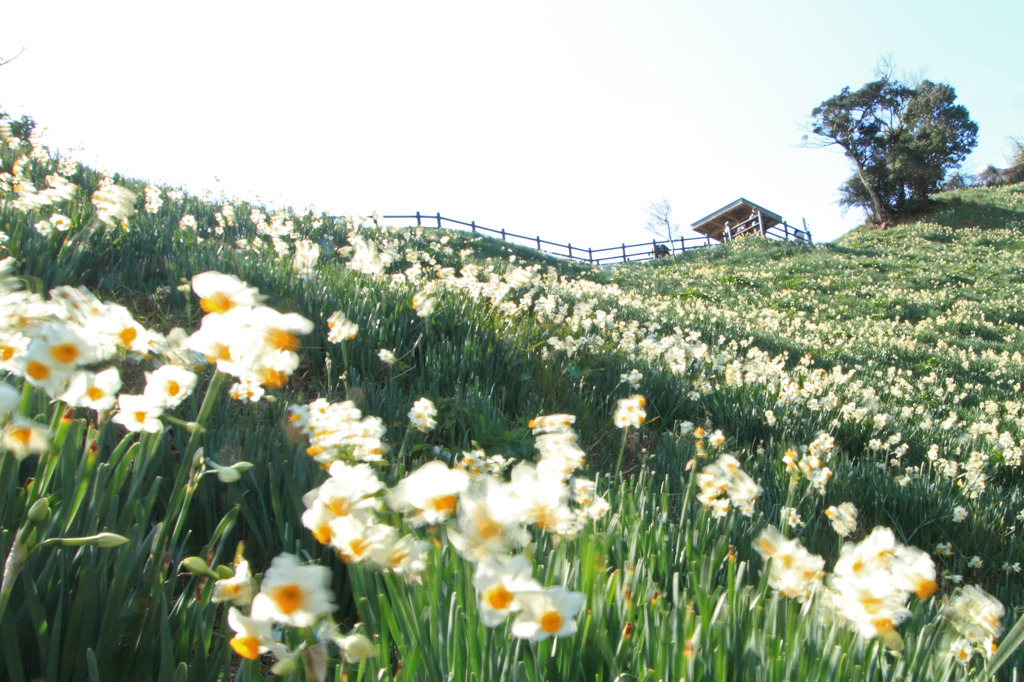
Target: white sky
(558, 118)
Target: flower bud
(39, 510)
(108, 540)
(224, 572)
(357, 647)
(284, 667)
(102, 540)
(196, 566)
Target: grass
(903, 347)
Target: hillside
(779, 383)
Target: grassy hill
(779, 382)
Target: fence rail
(616, 254)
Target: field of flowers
(240, 443)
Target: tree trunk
(881, 215)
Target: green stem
(344, 360)
(26, 395)
(622, 452)
(184, 486)
(212, 394)
(400, 460)
(12, 568)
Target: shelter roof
(713, 225)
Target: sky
(558, 118)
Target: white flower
(238, 589)
(293, 594)
(498, 580)
(218, 293)
(431, 493)
(138, 413)
(23, 437)
(169, 385)
(422, 415)
(95, 391)
(630, 412)
(340, 328)
(253, 636)
(547, 613)
(843, 517)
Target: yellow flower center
(95, 393)
(551, 622)
(488, 529)
(37, 370)
(6, 352)
(882, 625)
(340, 506)
(444, 504)
(358, 547)
(22, 434)
(281, 340)
(246, 647)
(287, 597)
(322, 533)
(173, 387)
(926, 589)
(546, 519)
(271, 378)
(871, 604)
(127, 335)
(397, 557)
(64, 352)
(497, 597)
(216, 302)
(220, 352)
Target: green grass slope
(883, 370)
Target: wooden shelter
(738, 218)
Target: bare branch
(5, 62)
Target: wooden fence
(613, 254)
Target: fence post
(785, 230)
(418, 224)
(590, 255)
(682, 244)
(623, 252)
(707, 239)
(538, 240)
(472, 224)
(439, 221)
(503, 234)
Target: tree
(1015, 173)
(659, 220)
(902, 141)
